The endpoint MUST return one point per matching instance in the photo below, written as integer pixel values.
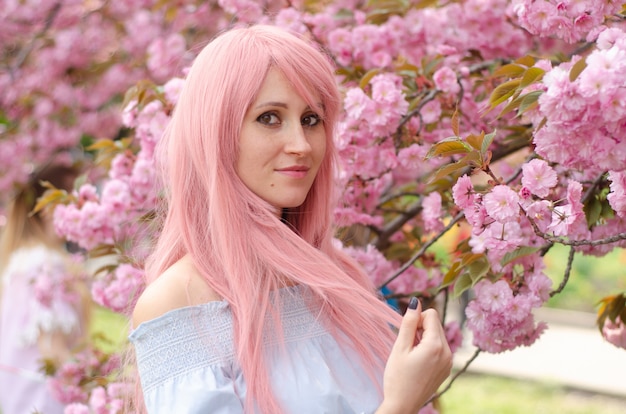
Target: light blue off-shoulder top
(187, 363)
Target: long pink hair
(238, 245)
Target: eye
(268, 118)
(311, 120)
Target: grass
(477, 394)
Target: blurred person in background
(43, 306)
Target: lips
(302, 168)
(294, 171)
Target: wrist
(388, 407)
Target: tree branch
(568, 270)
(421, 251)
(455, 376)
(24, 52)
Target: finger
(408, 326)
(431, 324)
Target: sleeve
(200, 392)
(184, 368)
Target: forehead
(277, 88)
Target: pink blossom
(494, 296)
(373, 262)
(502, 204)
(172, 89)
(164, 53)
(291, 19)
(463, 192)
(432, 212)
(562, 218)
(538, 177)
(445, 80)
(476, 215)
(539, 286)
(615, 332)
(340, 44)
(431, 112)
(500, 321)
(76, 408)
(617, 196)
(356, 102)
(119, 291)
(540, 213)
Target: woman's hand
(416, 367)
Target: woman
(249, 306)
(43, 307)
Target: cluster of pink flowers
(109, 400)
(69, 62)
(586, 118)
(55, 282)
(502, 220)
(68, 383)
(500, 318)
(127, 193)
(119, 290)
(569, 20)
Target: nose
(297, 142)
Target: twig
(421, 251)
(455, 376)
(21, 57)
(568, 270)
(592, 188)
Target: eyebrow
(284, 105)
(264, 104)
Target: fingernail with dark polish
(413, 303)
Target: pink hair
(236, 242)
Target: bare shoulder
(179, 286)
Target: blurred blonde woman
(43, 310)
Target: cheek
(319, 148)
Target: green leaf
(616, 307)
(451, 274)
(476, 141)
(593, 211)
(503, 92)
(454, 122)
(448, 147)
(527, 61)
(529, 101)
(50, 197)
(365, 80)
(514, 103)
(487, 142)
(478, 269)
(531, 75)
(462, 283)
(448, 170)
(517, 253)
(577, 69)
(511, 70)
(469, 258)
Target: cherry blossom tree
(500, 124)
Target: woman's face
(282, 144)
